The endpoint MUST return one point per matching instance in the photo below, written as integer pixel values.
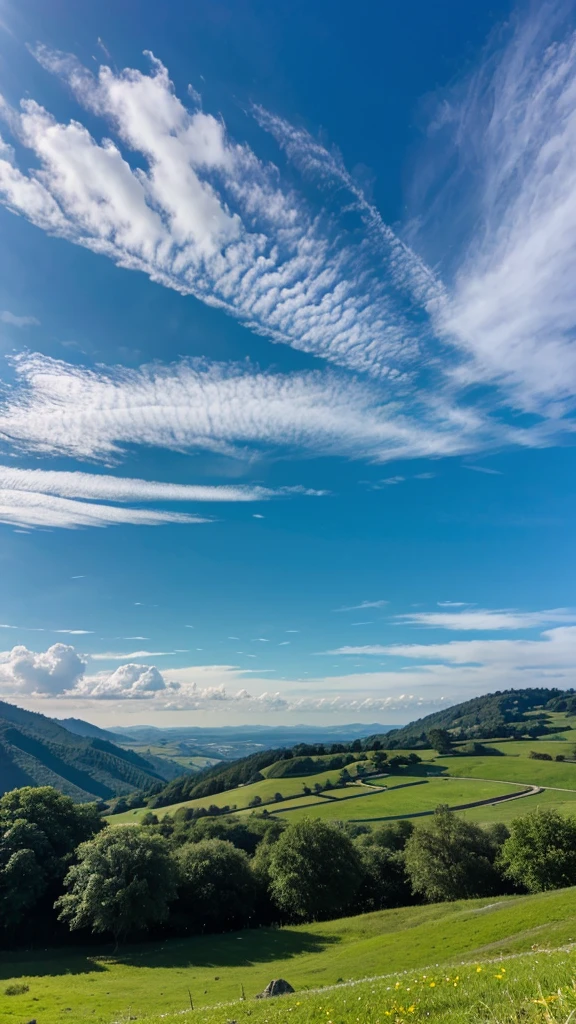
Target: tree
(216, 890)
(452, 859)
(39, 831)
(124, 881)
(392, 837)
(23, 880)
(314, 870)
(541, 851)
(63, 823)
(440, 740)
(384, 882)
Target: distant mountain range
(38, 751)
(231, 741)
(82, 728)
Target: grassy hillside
(145, 981)
(36, 751)
(532, 989)
(410, 790)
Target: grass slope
(153, 979)
(412, 797)
(529, 989)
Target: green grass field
(486, 774)
(413, 797)
(144, 981)
(529, 989)
(512, 769)
(239, 797)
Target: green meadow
(144, 981)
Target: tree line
(63, 869)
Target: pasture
(143, 981)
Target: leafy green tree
(63, 823)
(392, 837)
(124, 881)
(540, 853)
(452, 859)
(385, 882)
(440, 740)
(217, 889)
(39, 832)
(314, 870)
(23, 880)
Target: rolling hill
(82, 728)
(37, 751)
(507, 713)
(439, 957)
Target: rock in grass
(279, 987)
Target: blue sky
(287, 361)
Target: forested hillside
(508, 713)
(36, 751)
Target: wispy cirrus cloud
(58, 408)
(205, 216)
(497, 177)
(200, 212)
(489, 619)
(129, 656)
(121, 489)
(362, 606)
(36, 497)
(35, 510)
(486, 664)
(17, 321)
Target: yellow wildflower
(432, 984)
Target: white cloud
(58, 408)
(485, 469)
(504, 198)
(73, 632)
(114, 656)
(18, 321)
(128, 682)
(208, 218)
(361, 607)
(27, 508)
(49, 673)
(175, 197)
(121, 489)
(486, 664)
(489, 619)
(438, 674)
